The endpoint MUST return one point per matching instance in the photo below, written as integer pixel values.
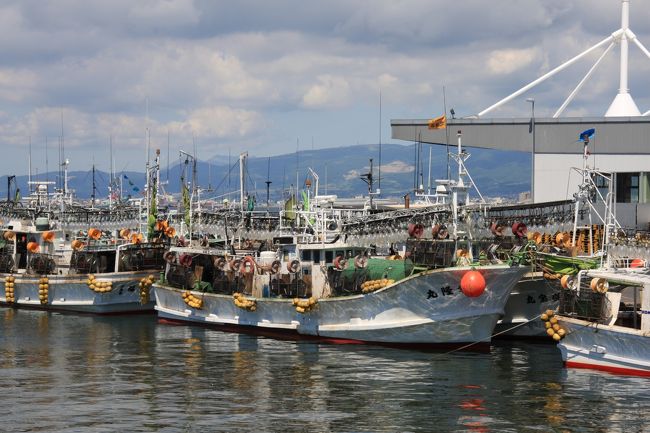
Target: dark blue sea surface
(68, 373)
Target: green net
(567, 265)
(380, 268)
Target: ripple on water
(65, 373)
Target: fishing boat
(43, 267)
(60, 256)
(604, 320)
(315, 282)
(563, 238)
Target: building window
(627, 187)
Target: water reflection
(130, 374)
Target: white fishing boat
(605, 318)
(565, 237)
(43, 267)
(317, 283)
(60, 256)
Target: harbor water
(69, 373)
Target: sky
(81, 77)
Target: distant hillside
(497, 173)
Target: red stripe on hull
(608, 369)
(291, 335)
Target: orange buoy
(136, 238)
(566, 281)
(32, 247)
(125, 233)
(472, 284)
(599, 285)
(162, 225)
(94, 233)
(170, 232)
(77, 244)
(48, 236)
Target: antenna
(112, 167)
(29, 178)
(47, 174)
(94, 187)
(444, 103)
(62, 148)
(367, 178)
(379, 165)
(268, 182)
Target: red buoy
(637, 263)
(472, 284)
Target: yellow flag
(438, 122)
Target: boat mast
(110, 184)
(66, 194)
(379, 165)
(242, 180)
(29, 177)
(268, 183)
(92, 205)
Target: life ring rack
(293, 266)
(247, 265)
(339, 262)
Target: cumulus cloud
(507, 61)
(330, 91)
(249, 75)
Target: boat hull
(427, 309)
(532, 295)
(614, 349)
(71, 293)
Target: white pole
(625, 22)
(632, 37)
(610, 38)
(242, 162)
(29, 178)
(429, 179)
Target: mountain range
(496, 173)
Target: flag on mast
(438, 122)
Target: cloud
(258, 76)
(220, 123)
(397, 167)
(330, 91)
(508, 61)
(352, 175)
(16, 85)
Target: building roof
(614, 135)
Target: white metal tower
(623, 104)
